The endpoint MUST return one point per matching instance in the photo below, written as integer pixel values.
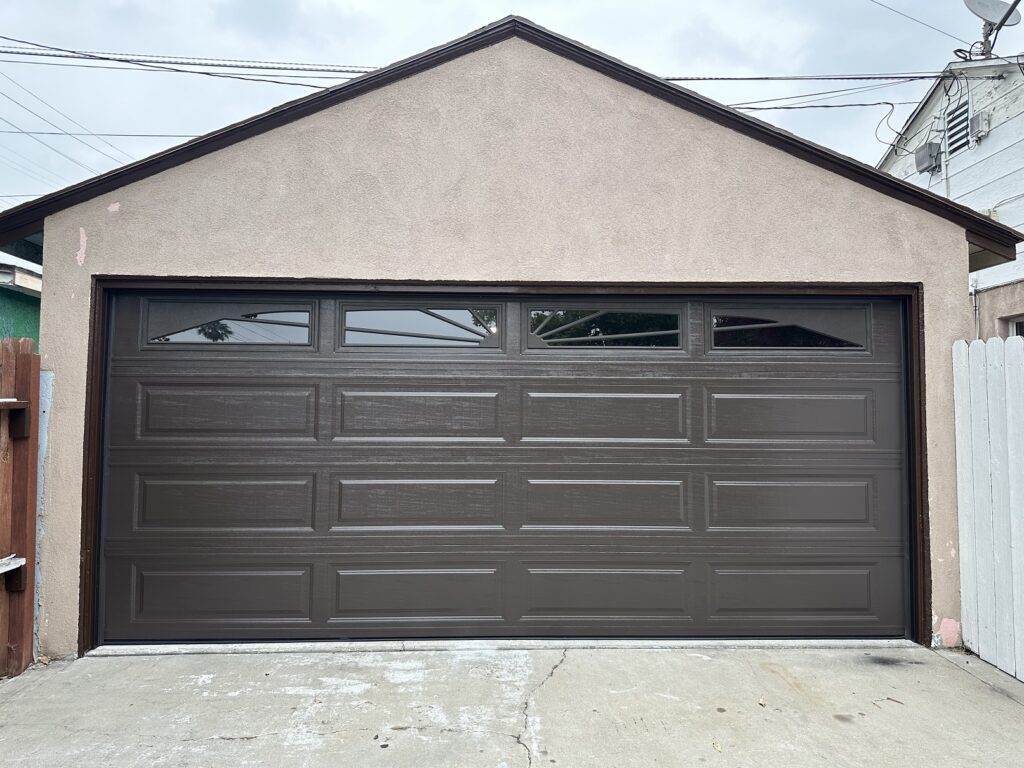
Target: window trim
(312, 306)
(681, 309)
(712, 308)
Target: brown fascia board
(28, 217)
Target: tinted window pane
(426, 327)
(728, 321)
(389, 340)
(255, 331)
(779, 336)
(603, 328)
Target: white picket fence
(989, 396)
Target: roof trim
(28, 217)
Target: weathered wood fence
(19, 441)
(989, 396)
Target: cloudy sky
(691, 37)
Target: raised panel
(780, 415)
(391, 414)
(602, 591)
(211, 502)
(409, 591)
(190, 411)
(192, 593)
(779, 501)
(604, 416)
(796, 592)
(409, 502)
(574, 503)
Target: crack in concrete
(527, 701)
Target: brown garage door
(362, 465)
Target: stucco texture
(508, 164)
(997, 307)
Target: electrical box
(928, 157)
(980, 122)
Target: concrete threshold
(447, 646)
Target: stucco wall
(996, 305)
(507, 164)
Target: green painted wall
(19, 315)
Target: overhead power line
(830, 106)
(157, 66)
(67, 117)
(49, 146)
(111, 135)
(918, 21)
(204, 61)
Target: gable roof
(991, 242)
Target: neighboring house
(21, 283)
(506, 339)
(965, 141)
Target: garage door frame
(103, 286)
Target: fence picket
(1002, 570)
(965, 496)
(1014, 354)
(983, 542)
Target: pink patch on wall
(82, 240)
(949, 631)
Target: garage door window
(225, 323)
(422, 327)
(791, 329)
(602, 328)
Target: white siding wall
(988, 175)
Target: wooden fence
(989, 397)
(19, 441)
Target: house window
(1017, 327)
(958, 128)
(595, 327)
(421, 327)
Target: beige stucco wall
(507, 164)
(996, 306)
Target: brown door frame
(909, 293)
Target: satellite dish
(992, 11)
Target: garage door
(285, 465)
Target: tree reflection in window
(430, 327)
(255, 328)
(731, 331)
(603, 328)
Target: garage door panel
(159, 591)
(840, 500)
(389, 413)
(431, 500)
(410, 591)
(635, 416)
(829, 412)
(605, 591)
(211, 500)
(154, 411)
(615, 500)
(802, 590)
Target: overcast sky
(684, 37)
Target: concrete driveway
(492, 705)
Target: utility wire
(333, 78)
(80, 140)
(831, 106)
(67, 117)
(157, 66)
(54, 178)
(112, 135)
(49, 146)
(918, 21)
(836, 92)
(204, 61)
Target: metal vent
(958, 128)
(980, 124)
(928, 157)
